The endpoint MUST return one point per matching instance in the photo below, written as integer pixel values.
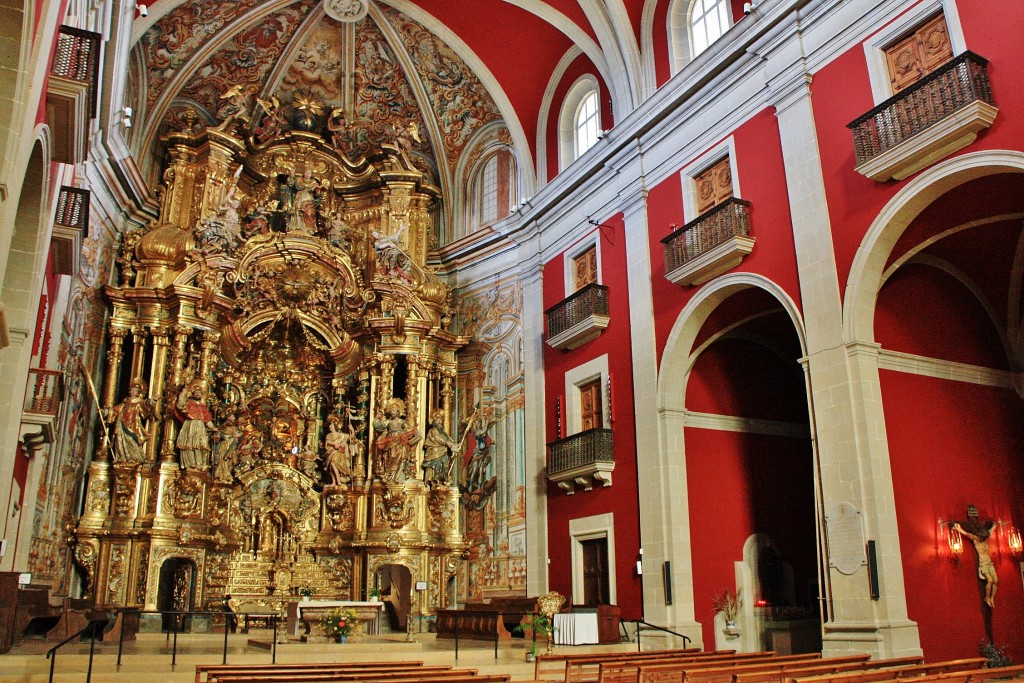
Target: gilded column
(386, 367)
(114, 356)
(176, 362)
(138, 353)
(157, 372)
(210, 339)
(412, 390)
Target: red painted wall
(952, 444)
(621, 497)
(761, 181)
(734, 484)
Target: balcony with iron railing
(581, 459)
(71, 92)
(578, 318)
(43, 395)
(710, 244)
(931, 119)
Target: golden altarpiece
(278, 390)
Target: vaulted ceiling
(464, 71)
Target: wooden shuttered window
(714, 185)
(585, 268)
(918, 54)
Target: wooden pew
(438, 675)
(721, 672)
(879, 674)
(554, 664)
(587, 667)
(588, 671)
(204, 671)
(464, 676)
(825, 668)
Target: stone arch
(868, 267)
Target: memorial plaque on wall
(845, 538)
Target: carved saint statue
(194, 438)
(395, 443)
(130, 418)
(224, 451)
(437, 451)
(339, 456)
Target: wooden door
(595, 572)
(590, 405)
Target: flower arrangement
(727, 604)
(339, 622)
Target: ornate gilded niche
(279, 384)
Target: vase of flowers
(727, 604)
(339, 623)
(306, 592)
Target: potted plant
(306, 592)
(539, 625)
(338, 623)
(374, 595)
(727, 604)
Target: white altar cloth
(576, 628)
(296, 627)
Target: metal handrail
(51, 654)
(655, 627)
(273, 617)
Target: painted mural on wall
(79, 346)
(492, 476)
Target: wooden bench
(589, 670)
(717, 672)
(309, 675)
(554, 664)
(458, 676)
(825, 667)
(205, 671)
(875, 673)
(972, 675)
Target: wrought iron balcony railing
(959, 87)
(581, 458)
(45, 391)
(710, 244)
(578, 318)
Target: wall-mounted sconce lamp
(954, 541)
(143, 10)
(126, 117)
(1014, 543)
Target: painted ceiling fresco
(382, 74)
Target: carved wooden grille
(729, 219)
(77, 58)
(585, 448)
(943, 92)
(73, 209)
(591, 300)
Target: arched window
(579, 123)
(493, 189)
(588, 123)
(709, 19)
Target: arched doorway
(733, 385)
(394, 581)
(937, 289)
(176, 592)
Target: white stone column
(661, 463)
(844, 397)
(534, 448)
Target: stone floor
(150, 656)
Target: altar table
(576, 628)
